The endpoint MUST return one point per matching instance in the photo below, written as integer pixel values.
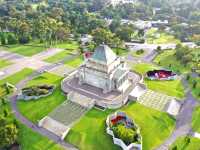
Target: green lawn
(31, 140)
(15, 78)
(90, 132)
(37, 109)
(28, 139)
(172, 88)
(155, 36)
(75, 62)
(135, 54)
(69, 45)
(26, 50)
(182, 144)
(196, 119)
(4, 63)
(58, 57)
(168, 60)
(120, 51)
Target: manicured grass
(182, 144)
(26, 50)
(31, 140)
(15, 78)
(155, 36)
(4, 63)
(168, 60)
(144, 67)
(196, 119)
(172, 88)
(28, 139)
(58, 57)
(37, 109)
(135, 54)
(69, 45)
(120, 51)
(90, 132)
(75, 62)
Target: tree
(158, 49)
(105, 36)
(12, 39)
(8, 133)
(3, 39)
(125, 33)
(5, 112)
(194, 84)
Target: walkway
(28, 123)
(183, 122)
(35, 62)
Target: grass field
(90, 132)
(15, 78)
(69, 45)
(182, 144)
(45, 105)
(135, 54)
(75, 62)
(28, 139)
(196, 119)
(171, 88)
(58, 57)
(120, 51)
(155, 36)
(26, 50)
(168, 60)
(4, 63)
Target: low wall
(27, 98)
(118, 141)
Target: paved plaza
(160, 102)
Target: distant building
(116, 2)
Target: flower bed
(161, 75)
(124, 131)
(36, 92)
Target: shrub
(3, 40)
(12, 39)
(139, 52)
(24, 39)
(128, 135)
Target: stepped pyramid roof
(104, 54)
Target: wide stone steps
(68, 112)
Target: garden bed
(124, 131)
(36, 92)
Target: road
(183, 120)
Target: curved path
(183, 120)
(31, 125)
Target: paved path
(183, 121)
(28, 123)
(20, 62)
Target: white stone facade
(104, 70)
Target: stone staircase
(68, 113)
